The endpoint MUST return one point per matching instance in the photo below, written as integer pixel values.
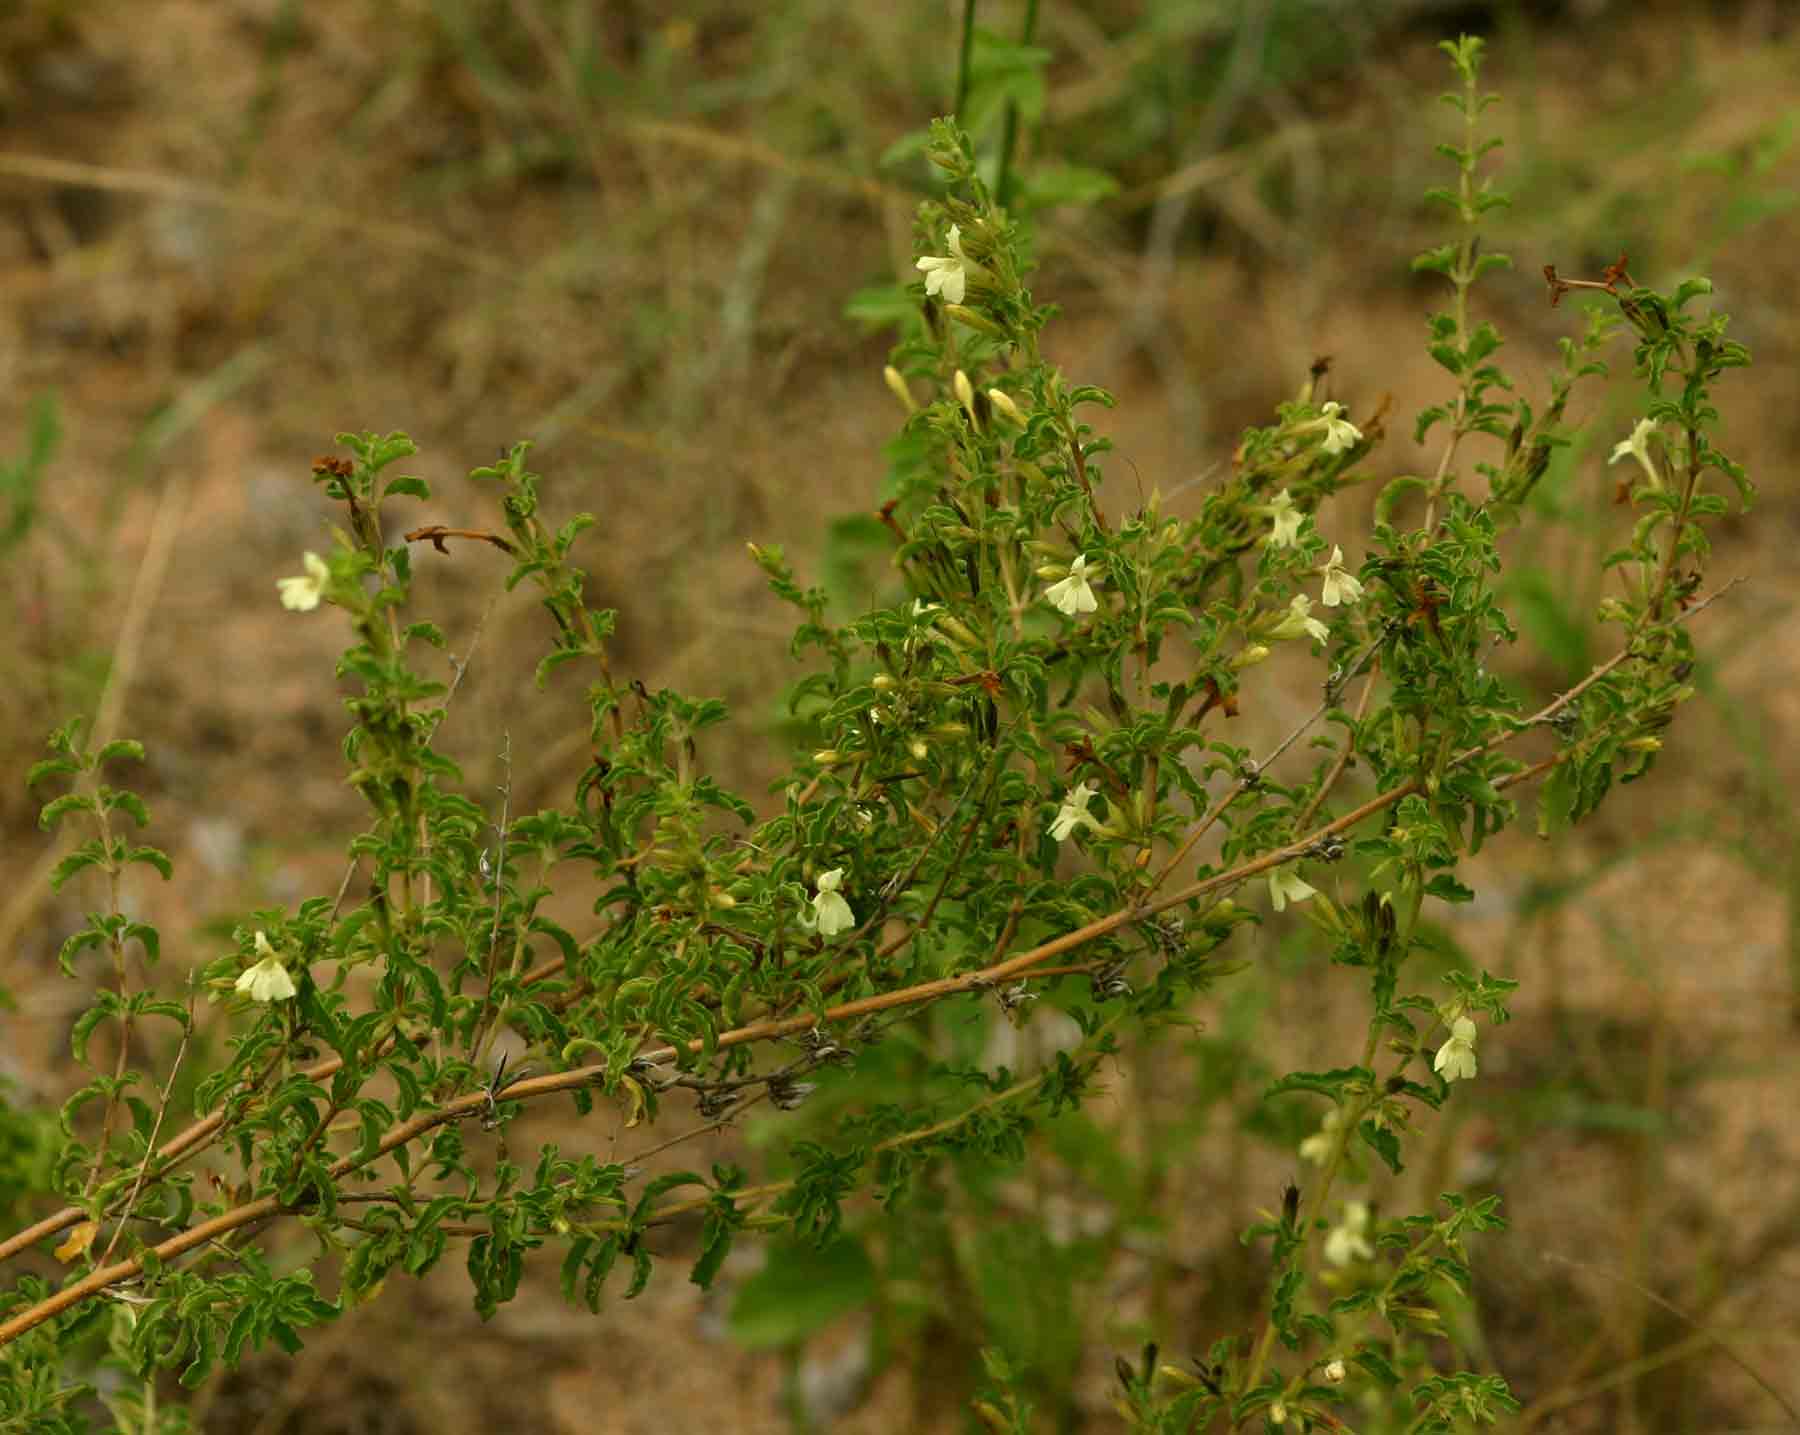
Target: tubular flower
(268, 980)
(1298, 619)
(1340, 585)
(1074, 812)
(1340, 434)
(1317, 1147)
(947, 277)
(1638, 447)
(1286, 532)
(1349, 1241)
(1456, 1057)
(831, 913)
(1073, 595)
(301, 595)
(1285, 887)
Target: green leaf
(1377, 1366)
(1392, 492)
(127, 802)
(640, 1273)
(1383, 1143)
(85, 856)
(83, 1029)
(1334, 1084)
(202, 1363)
(424, 1250)
(1438, 261)
(58, 808)
(407, 484)
(50, 767)
(1691, 289)
(550, 662)
(76, 944)
(1556, 799)
(152, 857)
(1447, 889)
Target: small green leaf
(152, 857)
(408, 485)
(1383, 1143)
(55, 810)
(50, 767)
(80, 860)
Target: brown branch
(477, 1102)
(201, 1132)
(436, 533)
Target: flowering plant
(1022, 794)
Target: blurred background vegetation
(664, 242)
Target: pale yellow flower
(1317, 1147)
(1456, 1057)
(1349, 1241)
(1285, 887)
(1074, 812)
(268, 980)
(301, 595)
(1340, 434)
(1638, 447)
(947, 277)
(831, 913)
(1341, 586)
(1073, 595)
(1286, 532)
(1298, 619)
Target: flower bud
(1249, 657)
(1004, 406)
(882, 682)
(963, 314)
(965, 393)
(828, 757)
(1643, 744)
(897, 386)
(918, 749)
(1334, 1373)
(958, 630)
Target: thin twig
(162, 1110)
(1255, 775)
(1311, 809)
